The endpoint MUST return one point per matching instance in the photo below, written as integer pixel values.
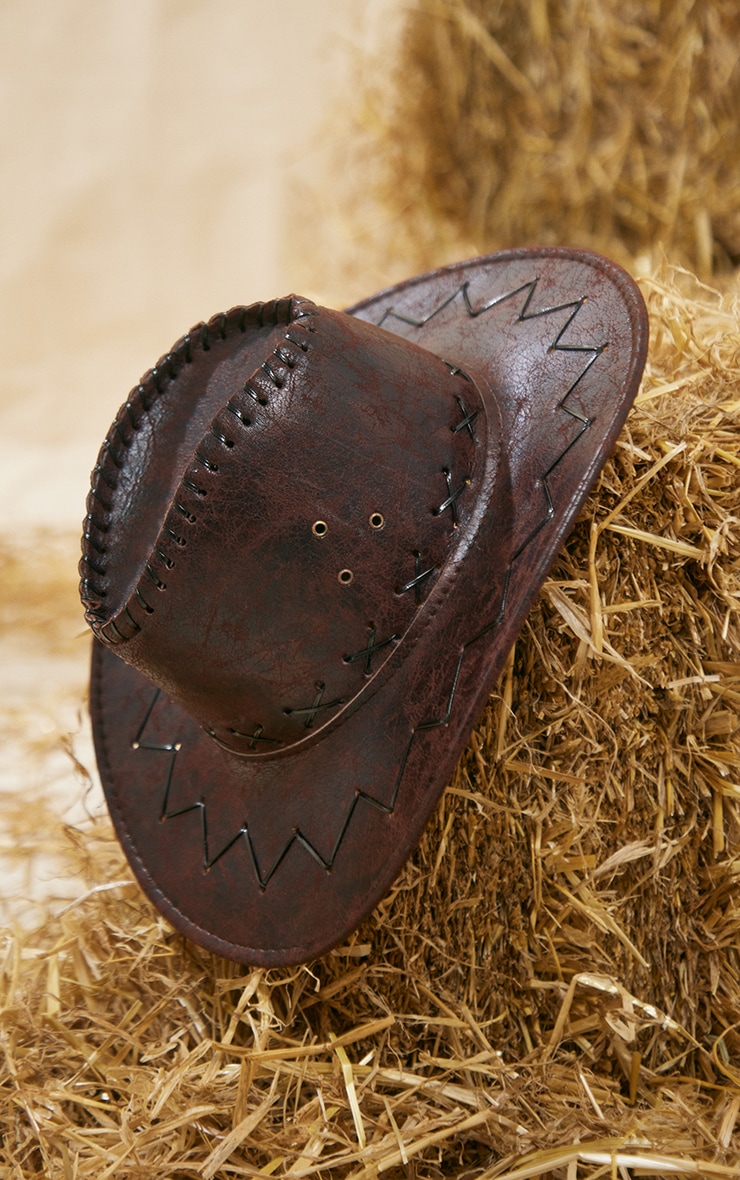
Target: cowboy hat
(312, 538)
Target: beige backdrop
(150, 150)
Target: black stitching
(101, 525)
(163, 556)
(111, 485)
(238, 414)
(188, 483)
(319, 704)
(131, 619)
(257, 736)
(261, 401)
(175, 536)
(95, 493)
(206, 462)
(453, 496)
(419, 577)
(184, 512)
(97, 569)
(468, 418)
(143, 603)
(368, 652)
(159, 584)
(95, 591)
(120, 637)
(227, 442)
(116, 458)
(86, 536)
(456, 371)
(274, 377)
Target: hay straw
(609, 124)
(552, 988)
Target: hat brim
(275, 862)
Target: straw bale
(606, 123)
(552, 987)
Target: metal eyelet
(319, 528)
(345, 577)
(376, 520)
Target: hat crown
(285, 510)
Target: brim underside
(280, 860)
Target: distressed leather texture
(311, 540)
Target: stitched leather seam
(268, 379)
(290, 311)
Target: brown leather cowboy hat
(312, 538)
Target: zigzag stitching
(298, 837)
(200, 805)
(525, 314)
